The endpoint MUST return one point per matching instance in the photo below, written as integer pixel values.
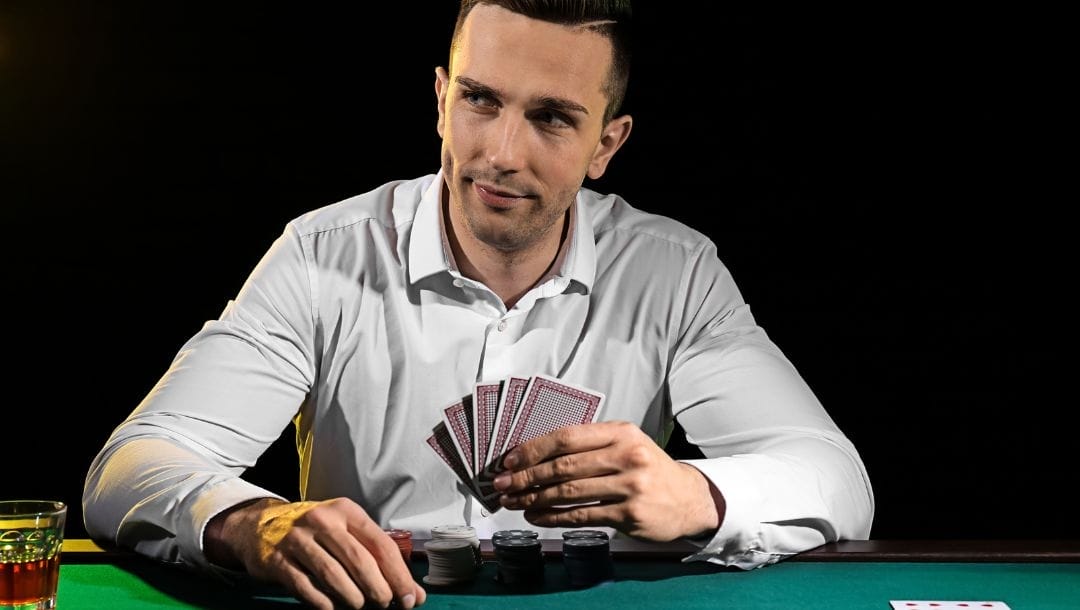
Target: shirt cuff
(740, 539)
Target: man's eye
(477, 99)
(551, 119)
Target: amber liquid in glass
(28, 582)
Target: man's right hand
(325, 553)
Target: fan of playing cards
(477, 430)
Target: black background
(873, 178)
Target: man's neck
(510, 274)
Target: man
(367, 316)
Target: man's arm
(782, 477)
(630, 483)
(176, 460)
(320, 551)
(168, 479)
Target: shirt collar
(427, 243)
(430, 254)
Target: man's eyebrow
(548, 101)
(477, 87)
(563, 105)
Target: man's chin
(498, 231)
(507, 244)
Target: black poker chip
(520, 561)
(575, 534)
(588, 561)
(503, 534)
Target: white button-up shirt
(357, 327)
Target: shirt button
(502, 325)
(459, 283)
(484, 512)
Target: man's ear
(442, 85)
(611, 139)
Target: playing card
(458, 419)
(476, 430)
(947, 605)
(441, 443)
(486, 404)
(550, 404)
(490, 501)
(509, 402)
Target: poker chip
(459, 532)
(450, 562)
(520, 561)
(403, 539)
(588, 561)
(577, 534)
(503, 534)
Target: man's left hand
(608, 474)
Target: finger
(569, 467)
(421, 595)
(569, 439)
(362, 568)
(578, 491)
(299, 584)
(327, 571)
(593, 515)
(394, 580)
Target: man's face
(521, 118)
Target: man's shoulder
(613, 216)
(389, 206)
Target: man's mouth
(497, 197)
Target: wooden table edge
(992, 551)
(81, 550)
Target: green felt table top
(651, 583)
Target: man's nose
(508, 144)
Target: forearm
(232, 527)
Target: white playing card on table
(947, 605)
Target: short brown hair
(609, 18)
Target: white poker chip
(450, 561)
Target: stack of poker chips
(403, 539)
(459, 532)
(450, 562)
(587, 557)
(519, 557)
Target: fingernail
(502, 481)
(511, 460)
(408, 601)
